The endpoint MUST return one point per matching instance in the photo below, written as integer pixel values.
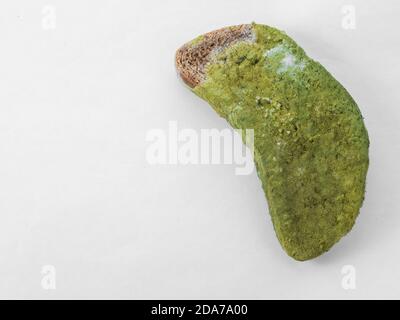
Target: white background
(77, 193)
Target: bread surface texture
(310, 141)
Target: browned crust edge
(191, 59)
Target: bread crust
(192, 58)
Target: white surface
(76, 191)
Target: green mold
(310, 142)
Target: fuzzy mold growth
(310, 142)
